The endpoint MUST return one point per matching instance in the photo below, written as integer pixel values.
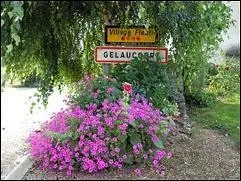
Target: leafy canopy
(56, 38)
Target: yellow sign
(130, 35)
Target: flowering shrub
(227, 80)
(110, 134)
(95, 90)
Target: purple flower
(69, 173)
(136, 151)
(154, 138)
(169, 154)
(145, 156)
(120, 159)
(139, 145)
(155, 162)
(95, 96)
(76, 154)
(71, 168)
(110, 90)
(111, 161)
(138, 171)
(124, 156)
(55, 166)
(114, 139)
(117, 149)
(124, 132)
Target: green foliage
(200, 99)
(95, 90)
(227, 81)
(32, 80)
(212, 69)
(148, 78)
(71, 134)
(170, 109)
(57, 38)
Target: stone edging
(20, 170)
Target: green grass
(224, 115)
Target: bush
(109, 133)
(148, 78)
(227, 81)
(212, 69)
(200, 99)
(95, 90)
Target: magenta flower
(111, 161)
(145, 156)
(97, 148)
(110, 90)
(138, 172)
(76, 154)
(117, 149)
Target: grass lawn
(224, 115)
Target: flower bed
(107, 133)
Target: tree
(56, 38)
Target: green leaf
(129, 160)
(10, 14)
(122, 138)
(159, 144)
(9, 48)
(2, 22)
(133, 124)
(135, 138)
(16, 38)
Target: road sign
(111, 54)
(115, 34)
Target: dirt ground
(207, 154)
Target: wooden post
(106, 66)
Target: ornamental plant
(227, 80)
(104, 134)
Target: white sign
(110, 54)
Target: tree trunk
(177, 93)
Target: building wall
(232, 38)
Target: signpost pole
(106, 66)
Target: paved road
(17, 123)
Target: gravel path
(17, 123)
(206, 155)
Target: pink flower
(55, 166)
(145, 156)
(110, 90)
(117, 149)
(155, 162)
(76, 154)
(138, 171)
(169, 154)
(120, 159)
(154, 138)
(111, 161)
